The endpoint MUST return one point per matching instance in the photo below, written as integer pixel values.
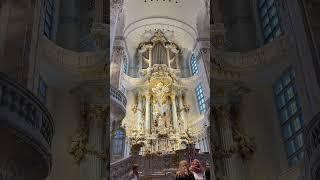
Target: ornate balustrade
(312, 139)
(118, 96)
(121, 169)
(27, 111)
(153, 165)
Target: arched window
(118, 143)
(200, 98)
(270, 19)
(125, 64)
(48, 19)
(290, 115)
(194, 64)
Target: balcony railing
(21, 110)
(118, 96)
(152, 165)
(312, 139)
(121, 169)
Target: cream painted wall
(65, 109)
(259, 118)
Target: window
(200, 99)
(42, 91)
(48, 19)
(270, 20)
(125, 64)
(118, 143)
(290, 115)
(194, 64)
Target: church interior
(129, 89)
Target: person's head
(196, 166)
(135, 167)
(183, 167)
(207, 165)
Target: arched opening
(118, 144)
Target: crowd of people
(185, 172)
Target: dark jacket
(185, 177)
(131, 176)
(207, 173)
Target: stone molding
(233, 65)
(86, 65)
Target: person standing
(197, 170)
(207, 171)
(134, 174)
(183, 172)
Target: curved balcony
(117, 96)
(26, 131)
(118, 103)
(312, 139)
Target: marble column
(182, 112)
(240, 21)
(99, 11)
(139, 113)
(168, 57)
(97, 115)
(174, 111)
(150, 56)
(147, 114)
(177, 60)
(115, 9)
(231, 163)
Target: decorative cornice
(115, 7)
(232, 65)
(86, 65)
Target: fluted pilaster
(97, 116)
(182, 113)
(174, 111)
(115, 9)
(231, 161)
(139, 113)
(147, 114)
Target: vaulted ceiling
(178, 19)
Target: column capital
(172, 95)
(148, 96)
(98, 113)
(116, 7)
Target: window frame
(194, 64)
(118, 152)
(295, 156)
(269, 29)
(199, 91)
(49, 18)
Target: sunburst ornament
(160, 90)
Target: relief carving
(244, 143)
